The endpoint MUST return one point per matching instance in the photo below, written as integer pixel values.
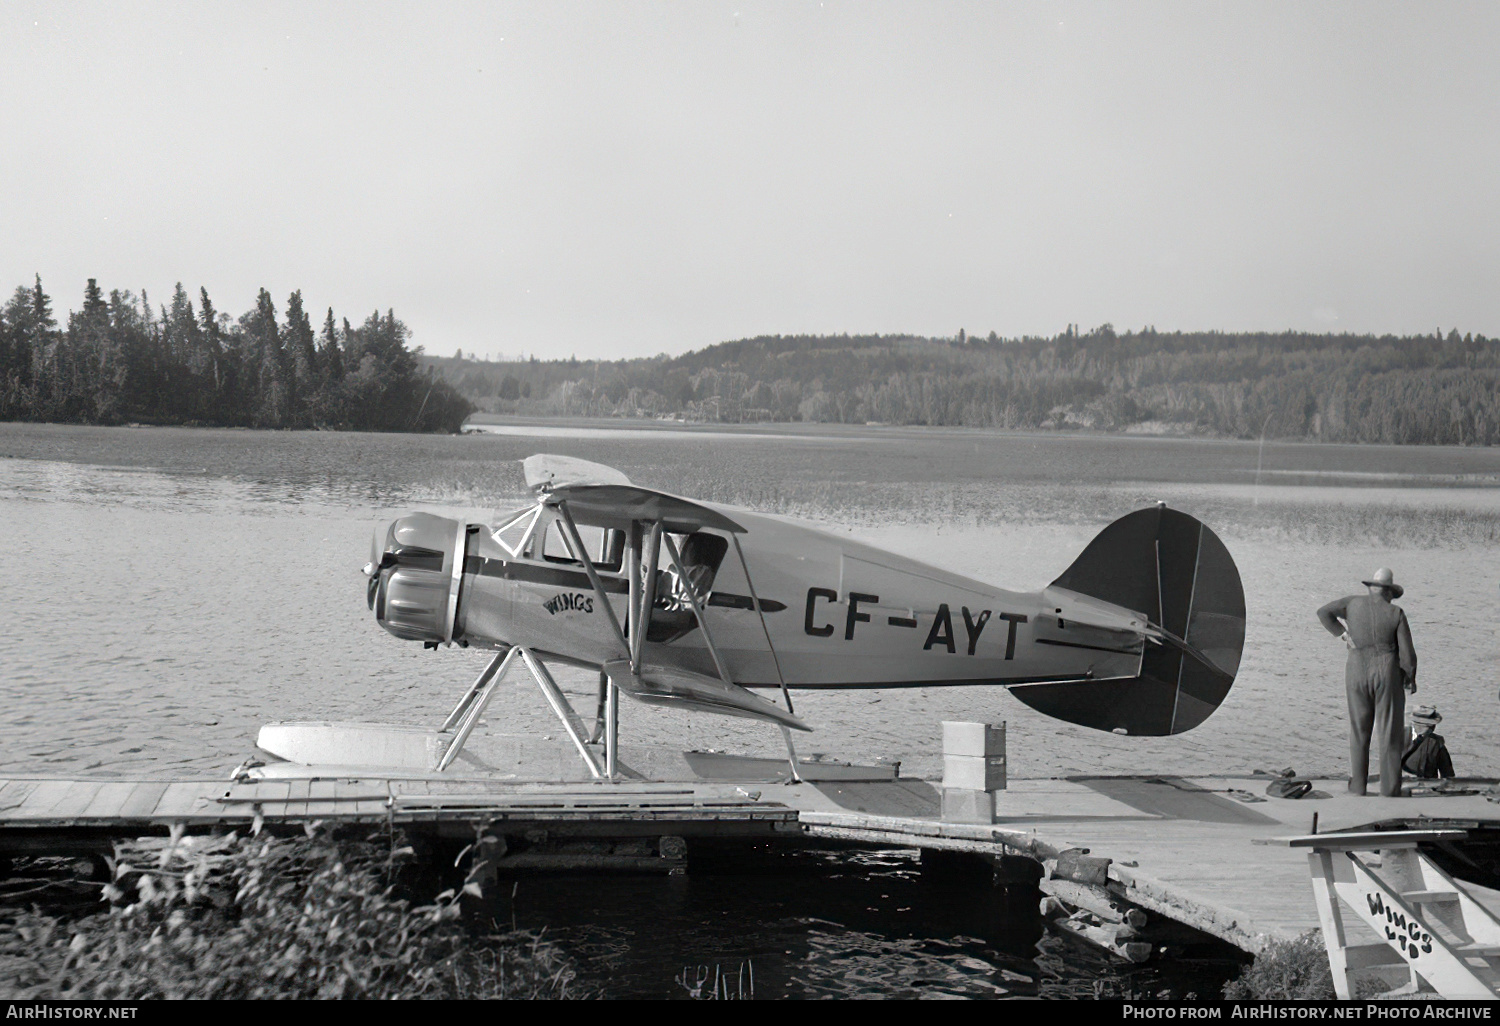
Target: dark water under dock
(813, 924)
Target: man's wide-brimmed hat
(1383, 578)
(1427, 715)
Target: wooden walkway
(42, 814)
(1182, 848)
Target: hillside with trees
(119, 361)
(1428, 389)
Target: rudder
(1171, 567)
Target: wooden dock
(43, 814)
(1183, 849)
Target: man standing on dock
(1382, 667)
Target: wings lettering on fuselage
(569, 602)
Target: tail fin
(1172, 568)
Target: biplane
(698, 606)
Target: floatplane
(696, 606)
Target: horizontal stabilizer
(683, 689)
(1087, 611)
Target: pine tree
(264, 352)
(301, 353)
(330, 359)
(17, 394)
(41, 338)
(224, 405)
(101, 368)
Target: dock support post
(484, 858)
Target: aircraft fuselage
(838, 613)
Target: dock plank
(260, 791)
(271, 797)
(361, 797)
(296, 799)
(240, 802)
(1175, 798)
(143, 799)
(179, 801)
(321, 799)
(886, 798)
(108, 800)
(45, 797)
(15, 794)
(9, 788)
(77, 799)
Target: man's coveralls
(1380, 663)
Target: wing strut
(646, 597)
(466, 715)
(692, 597)
(581, 553)
(611, 693)
(713, 650)
(780, 677)
(641, 597)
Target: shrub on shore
(1295, 970)
(258, 918)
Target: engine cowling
(416, 575)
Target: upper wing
(603, 497)
(545, 472)
(615, 506)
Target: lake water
(169, 590)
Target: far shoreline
(477, 422)
(858, 454)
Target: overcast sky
(622, 179)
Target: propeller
(375, 565)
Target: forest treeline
(119, 361)
(1429, 389)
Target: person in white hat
(1426, 752)
(1381, 668)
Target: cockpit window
(701, 555)
(605, 548)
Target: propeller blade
(372, 568)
